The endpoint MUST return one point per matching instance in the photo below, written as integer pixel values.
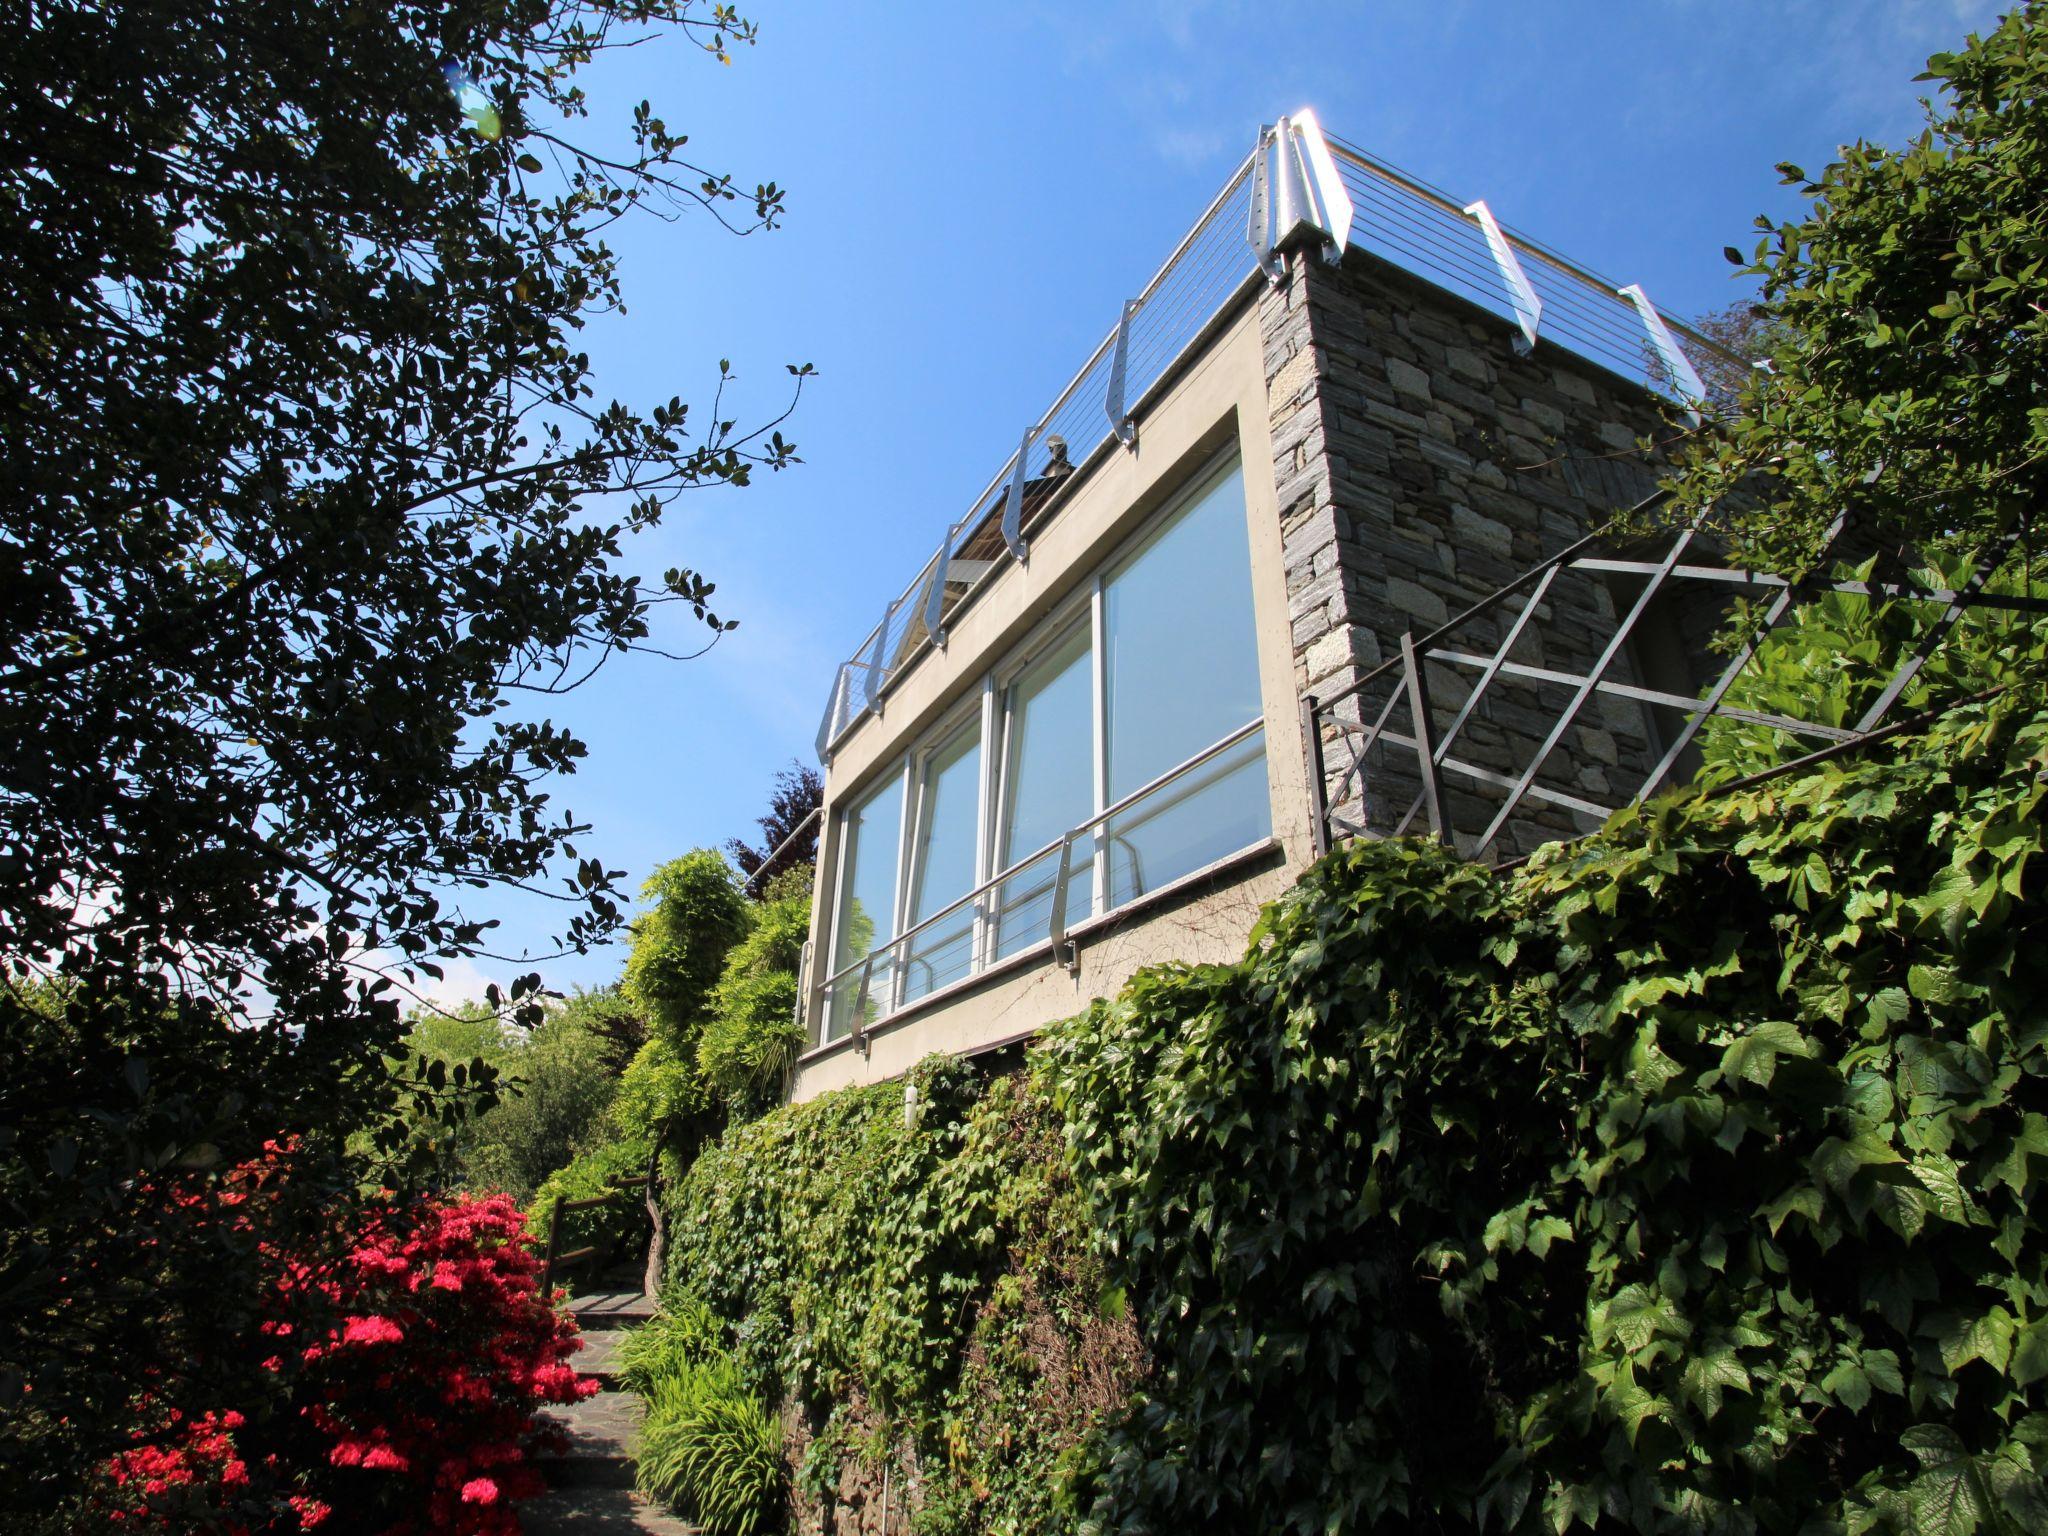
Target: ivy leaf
(1754, 1057)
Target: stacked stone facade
(1423, 464)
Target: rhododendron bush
(408, 1372)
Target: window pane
(867, 902)
(1048, 785)
(1181, 667)
(942, 865)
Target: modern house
(1345, 409)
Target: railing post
(1064, 949)
(1528, 307)
(1425, 749)
(1318, 793)
(1013, 501)
(1684, 378)
(1113, 404)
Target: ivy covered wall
(1685, 1179)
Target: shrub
(709, 1446)
(751, 1037)
(680, 1336)
(409, 1376)
(614, 1229)
(718, 1455)
(679, 946)
(1830, 659)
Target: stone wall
(1422, 465)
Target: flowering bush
(409, 1374)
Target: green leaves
(1668, 1235)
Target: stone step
(601, 1432)
(602, 1310)
(599, 1355)
(598, 1512)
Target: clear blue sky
(973, 189)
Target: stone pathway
(591, 1484)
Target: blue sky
(973, 189)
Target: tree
(792, 809)
(306, 484)
(1909, 345)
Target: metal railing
(1294, 176)
(894, 960)
(1538, 787)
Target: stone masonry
(1422, 465)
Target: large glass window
(1047, 787)
(866, 920)
(1180, 673)
(1156, 665)
(943, 864)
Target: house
(1345, 408)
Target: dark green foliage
(792, 807)
(1907, 330)
(1687, 1180)
(306, 481)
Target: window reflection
(1048, 786)
(867, 905)
(1181, 671)
(943, 865)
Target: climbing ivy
(912, 1275)
(1685, 1180)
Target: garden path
(591, 1491)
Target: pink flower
(372, 1330)
(480, 1490)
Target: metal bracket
(1013, 502)
(1258, 219)
(1676, 363)
(1064, 949)
(1291, 153)
(1337, 212)
(871, 685)
(1120, 421)
(935, 599)
(1528, 307)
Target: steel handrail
(865, 964)
(1449, 205)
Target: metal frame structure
(1296, 180)
(1429, 754)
